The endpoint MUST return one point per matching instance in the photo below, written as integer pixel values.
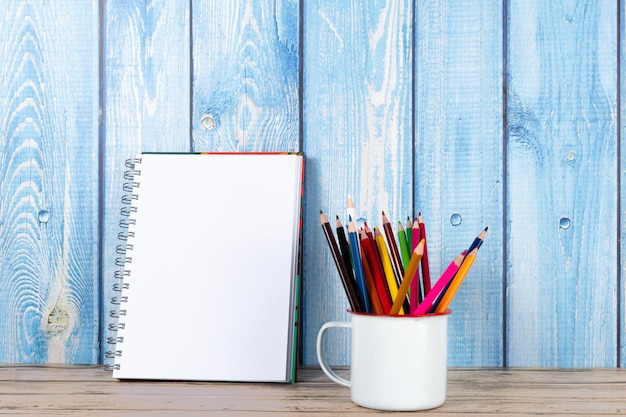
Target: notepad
(211, 272)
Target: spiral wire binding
(122, 260)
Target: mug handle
(320, 354)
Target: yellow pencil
(456, 282)
(408, 277)
(387, 267)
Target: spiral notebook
(209, 284)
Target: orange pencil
(408, 277)
(440, 286)
(457, 281)
(476, 244)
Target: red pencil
(408, 278)
(369, 234)
(425, 266)
(416, 288)
(369, 280)
(367, 244)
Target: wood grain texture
(245, 75)
(357, 67)
(622, 190)
(146, 103)
(38, 391)
(48, 182)
(562, 195)
(459, 163)
(403, 109)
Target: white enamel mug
(398, 363)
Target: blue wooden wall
(501, 114)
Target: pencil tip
(486, 228)
(321, 212)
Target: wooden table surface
(90, 391)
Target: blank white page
(211, 287)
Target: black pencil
(346, 254)
(341, 267)
(393, 248)
(395, 255)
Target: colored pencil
(377, 308)
(341, 267)
(408, 278)
(369, 246)
(416, 288)
(344, 246)
(358, 268)
(416, 234)
(478, 241)
(442, 283)
(369, 234)
(379, 262)
(405, 251)
(351, 209)
(393, 248)
(425, 266)
(392, 284)
(457, 281)
(476, 244)
(409, 234)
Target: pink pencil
(425, 266)
(440, 285)
(415, 284)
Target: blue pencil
(358, 267)
(477, 243)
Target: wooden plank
(459, 163)
(48, 180)
(245, 75)
(146, 102)
(66, 390)
(562, 184)
(357, 68)
(622, 181)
